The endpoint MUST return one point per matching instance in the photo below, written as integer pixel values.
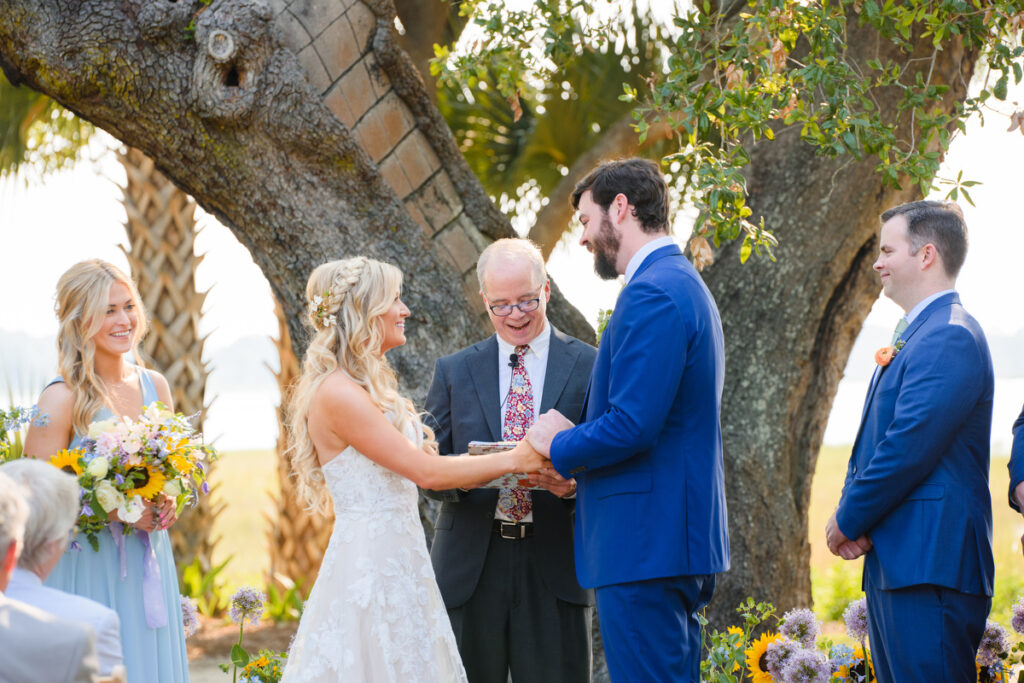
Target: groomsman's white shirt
(536, 362)
(28, 588)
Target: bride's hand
(527, 459)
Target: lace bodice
(358, 485)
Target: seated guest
(52, 497)
(48, 648)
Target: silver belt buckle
(517, 531)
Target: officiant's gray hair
(52, 497)
(512, 246)
(13, 513)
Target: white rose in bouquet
(132, 510)
(173, 488)
(110, 498)
(98, 468)
(101, 427)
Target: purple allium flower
(801, 626)
(777, 654)
(247, 605)
(189, 616)
(806, 666)
(856, 618)
(994, 642)
(1018, 615)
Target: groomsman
(651, 532)
(503, 559)
(1016, 466)
(916, 496)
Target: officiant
(504, 558)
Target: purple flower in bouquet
(801, 626)
(777, 654)
(1018, 616)
(806, 666)
(994, 642)
(247, 605)
(189, 616)
(856, 618)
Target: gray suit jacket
(38, 647)
(463, 405)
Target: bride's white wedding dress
(375, 612)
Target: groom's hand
(553, 482)
(544, 430)
(835, 538)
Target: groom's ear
(929, 256)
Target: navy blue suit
(917, 485)
(651, 528)
(1016, 464)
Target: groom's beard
(606, 250)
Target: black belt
(513, 530)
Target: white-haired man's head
(53, 505)
(13, 515)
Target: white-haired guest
(52, 497)
(34, 645)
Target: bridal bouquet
(121, 464)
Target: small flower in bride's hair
(801, 626)
(323, 320)
(247, 605)
(856, 618)
(189, 616)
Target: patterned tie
(516, 503)
(900, 327)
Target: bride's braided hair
(344, 302)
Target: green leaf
(239, 657)
(745, 249)
(999, 90)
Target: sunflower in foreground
(756, 664)
(68, 461)
(859, 666)
(736, 631)
(149, 484)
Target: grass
(246, 480)
(834, 582)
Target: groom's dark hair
(938, 223)
(642, 183)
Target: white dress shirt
(923, 304)
(27, 587)
(535, 360)
(643, 252)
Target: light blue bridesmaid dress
(135, 576)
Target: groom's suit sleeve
(942, 381)
(647, 363)
(1016, 464)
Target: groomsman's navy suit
(917, 485)
(651, 527)
(1016, 463)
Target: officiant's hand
(551, 480)
(545, 428)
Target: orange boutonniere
(884, 355)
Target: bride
(375, 612)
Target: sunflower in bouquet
(121, 464)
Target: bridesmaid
(101, 319)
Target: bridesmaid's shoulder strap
(56, 380)
(148, 386)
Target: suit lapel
(482, 367)
(561, 361)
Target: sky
(47, 226)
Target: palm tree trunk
(161, 235)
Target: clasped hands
(539, 439)
(840, 545)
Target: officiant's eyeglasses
(501, 310)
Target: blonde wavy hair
(344, 303)
(83, 295)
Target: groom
(651, 529)
(916, 497)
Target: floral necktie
(516, 503)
